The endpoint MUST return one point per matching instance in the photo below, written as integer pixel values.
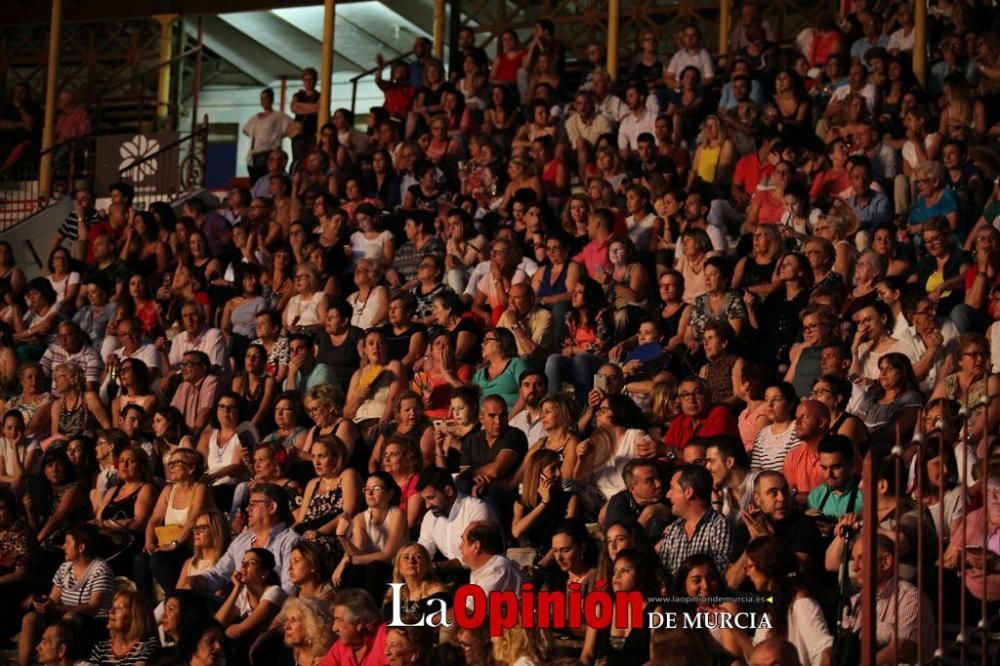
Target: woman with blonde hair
(542, 504)
(523, 172)
(518, 646)
(410, 423)
(414, 569)
(308, 630)
(407, 646)
(558, 414)
(325, 406)
(210, 539)
(715, 156)
(664, 406)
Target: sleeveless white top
(175, 516)
(379, 534)
(219, 457)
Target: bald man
(802, 468)
(529, 322)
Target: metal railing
(20, 196)
(188, 153)
(957, 638)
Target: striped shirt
(769, 450)
(140, 653)
(98, 578)
(71, 225)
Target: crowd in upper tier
(535, 324)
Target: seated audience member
(254, 600)
(732, 481)
(541, 504)
(371, 538)
(482, 552)
(699, 418)
(197, 393)
(448, 513)
(690, 498)
(267, 523)
(132, 630)
(904, 611)
(642, 500)
(81, 592)
(775, 513)
(360, 630)
(801, 466)
(840, 492)
(774, 570)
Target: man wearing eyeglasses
(196, 395)
(267, 527)
(699, 418)
(73, 347)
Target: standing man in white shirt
(691, 55)
(266, 130)
(482, 545)
(638, 121)
(448, 514)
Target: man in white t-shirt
(691, 55)
(266, 130)
(448, 514)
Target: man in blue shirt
(871, 207)
(267, 527)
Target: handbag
(166, 534)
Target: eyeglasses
(202, 528)
(489, 339)
(603, 409)
(812, 327)
(228, 408)
(932, 240)
(816, 392)
(692, 395)
(174, 463)
(190, 364)
(258, 501)
(374, 489)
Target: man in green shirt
(840, 493)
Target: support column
(724, 9)
(49, 132)
(614, 8)
(920, 42)
(166, 53)
(326, 63)
(438, 50)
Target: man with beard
(696, 207)
(448, 514)
(774, 513)
(639, 120)
(534, 386)
(727, 461)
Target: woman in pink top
(981, 546)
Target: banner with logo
(140, 159)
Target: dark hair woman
(795, 615)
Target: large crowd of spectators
(533, 324)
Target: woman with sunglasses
(372, 538)
(168, 531)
